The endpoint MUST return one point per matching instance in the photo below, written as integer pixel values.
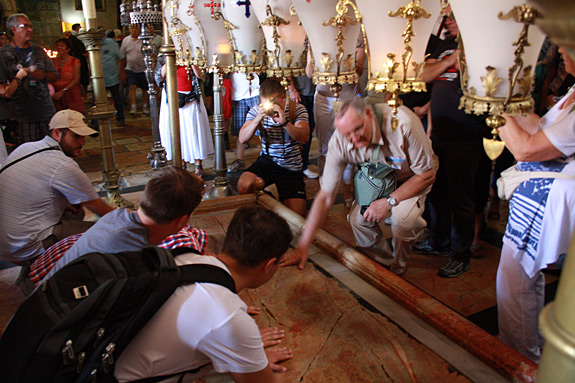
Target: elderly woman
(541, 218)
(67, 92)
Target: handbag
(193, 95)
(373, 180)
(511, 179)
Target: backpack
(75, 325)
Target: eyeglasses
(24, 26)
(357, 132)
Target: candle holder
(144, 13)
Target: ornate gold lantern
(332, 27)
(246, 37)
(186, 34)
(501, 49)
(285, 38)
(397, 32)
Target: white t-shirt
(132, 49)
(241, 87)
(200, 324)
(559, 126)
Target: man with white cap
(42, 191)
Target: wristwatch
(392, 201)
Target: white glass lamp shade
(384, 34)
(317, 18)
(177, 32)
(285, 37)
(490, 53)
(185, 33)
(247, 37)
(218, 51)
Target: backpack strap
(28, 155)
(201, 273)
(184, 250)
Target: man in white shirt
(135, 69)
(39, 182)
(204, 326)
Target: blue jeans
(118, 103)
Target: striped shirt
(277, 144)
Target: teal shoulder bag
(373, 179)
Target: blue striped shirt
(277, 144)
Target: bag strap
(379, 116)
(551, 175)
(200, 273)
(26, 156)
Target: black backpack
(76, 324)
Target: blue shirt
(111, 56)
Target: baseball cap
(73, 120)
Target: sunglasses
(24, 26)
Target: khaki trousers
(406, 223)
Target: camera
(269, 108)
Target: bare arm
(197, 72)
(75, 81)
(319, 209)
(274, 355)
(249, 128)
(309, 65)
(40, 75)
(526, 146)
(7, 90)
(299, 131)
(293, 93)
(98, 206)
(433, 68)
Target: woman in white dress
(195, 134)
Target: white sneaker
(133, 110)
(146, 110)
(310, 173)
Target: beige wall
(107, 18)
(52, 17)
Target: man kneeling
(205, 326)
(281, 127)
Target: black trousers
(453, 196)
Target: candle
(89, 9)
